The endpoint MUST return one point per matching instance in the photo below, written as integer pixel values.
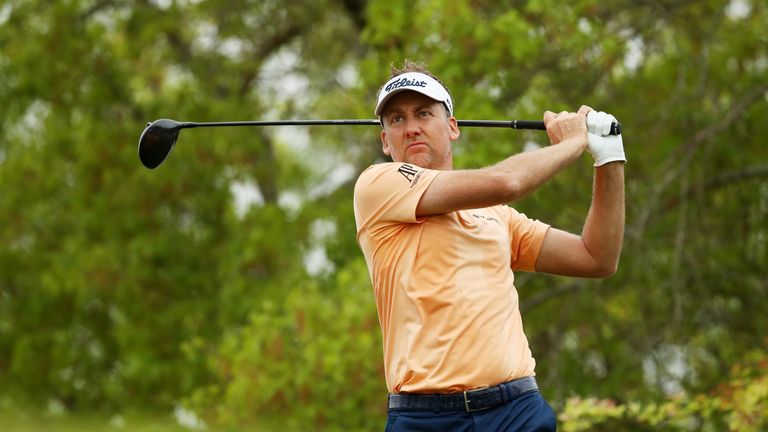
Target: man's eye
(424, 113)
(396, 119)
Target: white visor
(413, 81)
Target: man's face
(418, 131)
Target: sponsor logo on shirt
(410, 173)
(488, 218)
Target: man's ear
(385, 143)
(454, 132)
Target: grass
(38, 422)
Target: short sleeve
(526, 237)
(390, 192)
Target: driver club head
(157, 141)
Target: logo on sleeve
(408, 171)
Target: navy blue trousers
(527, 413)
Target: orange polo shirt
(444, 286)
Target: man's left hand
(604, 147)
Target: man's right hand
(567, 125)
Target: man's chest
(471, 233)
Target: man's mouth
(417, 145)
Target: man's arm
(596, 252)
(512, 178)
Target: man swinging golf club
(441, 246)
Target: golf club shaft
(509, 124)
(514, 124)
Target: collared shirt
(444, 284)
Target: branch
(725, 179)
(96, 7)
(541, 297)
(356, 9)
(266, 169)
(678, 162)
(266, 49)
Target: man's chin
(422, 161)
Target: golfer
(441, 246)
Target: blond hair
(413, 66)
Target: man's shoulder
(369, 177)
(393, 167)
(389, 192)
(378, 167)
(387, 171)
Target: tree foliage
(229, 280)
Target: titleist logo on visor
(417, 82)
(404, 82)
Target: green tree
(126, 288)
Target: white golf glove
(604, 147)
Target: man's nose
(412, 127)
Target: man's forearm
(505, 182)
(529, 170)
(604, 228)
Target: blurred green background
(224, 291)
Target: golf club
(159, 137)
